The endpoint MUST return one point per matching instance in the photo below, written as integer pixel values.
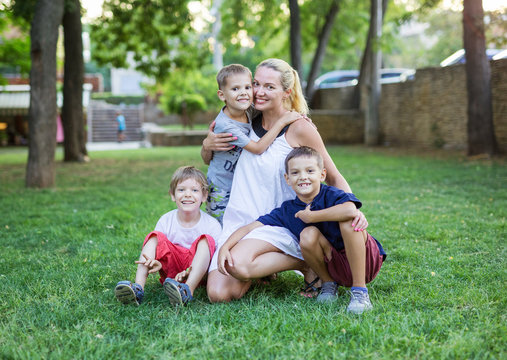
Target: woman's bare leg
(223, 288)
(255, 258)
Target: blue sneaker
(178, 293)
(328, 292)
(129, 293)
(359, 302)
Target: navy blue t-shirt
(328, 196)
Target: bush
(117, 99)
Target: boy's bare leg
(150, 250)
(200, 265)
(315, 247)
(355, 249)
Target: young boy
(235, 89)
(320, 218)
(181, 246)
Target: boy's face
(304, 177)
(189, 195)
(237, 92)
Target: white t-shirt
(177, 234)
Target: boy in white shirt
(181, 246)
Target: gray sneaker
(359, 302)
(328, 292)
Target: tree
(157, 32)
(15, 40)
(295, 37)
(40, 170)
(318, 56)
(74, 143)
(481, 135)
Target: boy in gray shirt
(235, 89)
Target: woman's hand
(360, 223)
(224, 255)
(152, 264)
(217, 142)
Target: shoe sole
(173, 293)
(125, 294)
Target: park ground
(440, 294)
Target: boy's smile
(304, 177)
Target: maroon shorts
(339, 267)
(176, 258)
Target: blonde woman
(259, 185)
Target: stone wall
(429, 112)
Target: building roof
(14, 103)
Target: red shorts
(339, 267)
(176, 258)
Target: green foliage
(14, 44)
(117, 99)
(156, 32)
(439, 295)
(196, 88)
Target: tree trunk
(74, 143)
(481, 133)
(371, 123)
(295, 38)
(365, 65)
(40, 169)
(321, 49)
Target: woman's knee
(223, 289)
(309, 237)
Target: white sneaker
(359, 302)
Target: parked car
(342, 78)
(459, 56)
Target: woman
(259, 185)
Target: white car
(342, 78)
(459, 56)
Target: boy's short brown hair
(229, 70)
(188, 172)
(303, 151)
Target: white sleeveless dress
(258, 187)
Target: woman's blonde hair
(289, 79)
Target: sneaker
(129, 293)
(359, 302)
(328, 292)
(178, 293)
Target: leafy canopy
(156, 32)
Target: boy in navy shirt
(320, 218)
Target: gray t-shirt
(223, 163)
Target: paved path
(126, 145)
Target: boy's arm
(260, 146)
(224, 254)
(341, 212)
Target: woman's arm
(224, 254)
(302, 133)
(215, 142)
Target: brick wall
(429, 112)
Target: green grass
(440, 294)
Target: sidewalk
(126, 145)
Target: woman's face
(268, 90)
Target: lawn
(440, 294)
